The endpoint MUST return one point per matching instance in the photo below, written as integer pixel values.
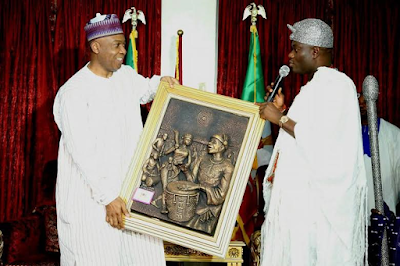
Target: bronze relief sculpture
(195, 167)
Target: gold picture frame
(185, 123)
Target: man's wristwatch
(283, 120)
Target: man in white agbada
(389, 157)
(315, 184)
(98, 113)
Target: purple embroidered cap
(103, 25)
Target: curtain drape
(366, 43)
(234, 38)
(42, 45)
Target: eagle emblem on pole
(134, 16)
(254, 10)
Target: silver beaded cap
(313, 32)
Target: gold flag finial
(134, 16)
(253, 10)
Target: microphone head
(370, 88)
(284, 71)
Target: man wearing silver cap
(98, 113)
(315, 186)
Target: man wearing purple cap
(98, 113)
(315, 186)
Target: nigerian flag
(253, 91)
(253, 87)
(131, 55)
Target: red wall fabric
(234, 39)
(43, 44)
(367, 43)
(367, 38)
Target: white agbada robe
(389, 155)
(100, 122)
(315, 208)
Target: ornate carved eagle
(134, 16)
(254, 10)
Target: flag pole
(132, 53)
(253, 30)
(178, 64)
(253, 91)
(132, 38)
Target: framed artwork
(187, 178)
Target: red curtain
(234, 39)
(43, 44)
(367, 43)
(29, 138)
(366, 33)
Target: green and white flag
(253, 87)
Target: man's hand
(171, 81)
(279, 99)
(272, 111)
(192, 186)
(268, 111)
(115, 212)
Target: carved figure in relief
(151, 167)
(159, 144)
(182, 154)
(210, 174)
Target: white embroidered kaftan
(100, 122)
(316, 210)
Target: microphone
(283, 72)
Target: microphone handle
(274, 91)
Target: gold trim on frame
(233, 257)
(217, 243)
